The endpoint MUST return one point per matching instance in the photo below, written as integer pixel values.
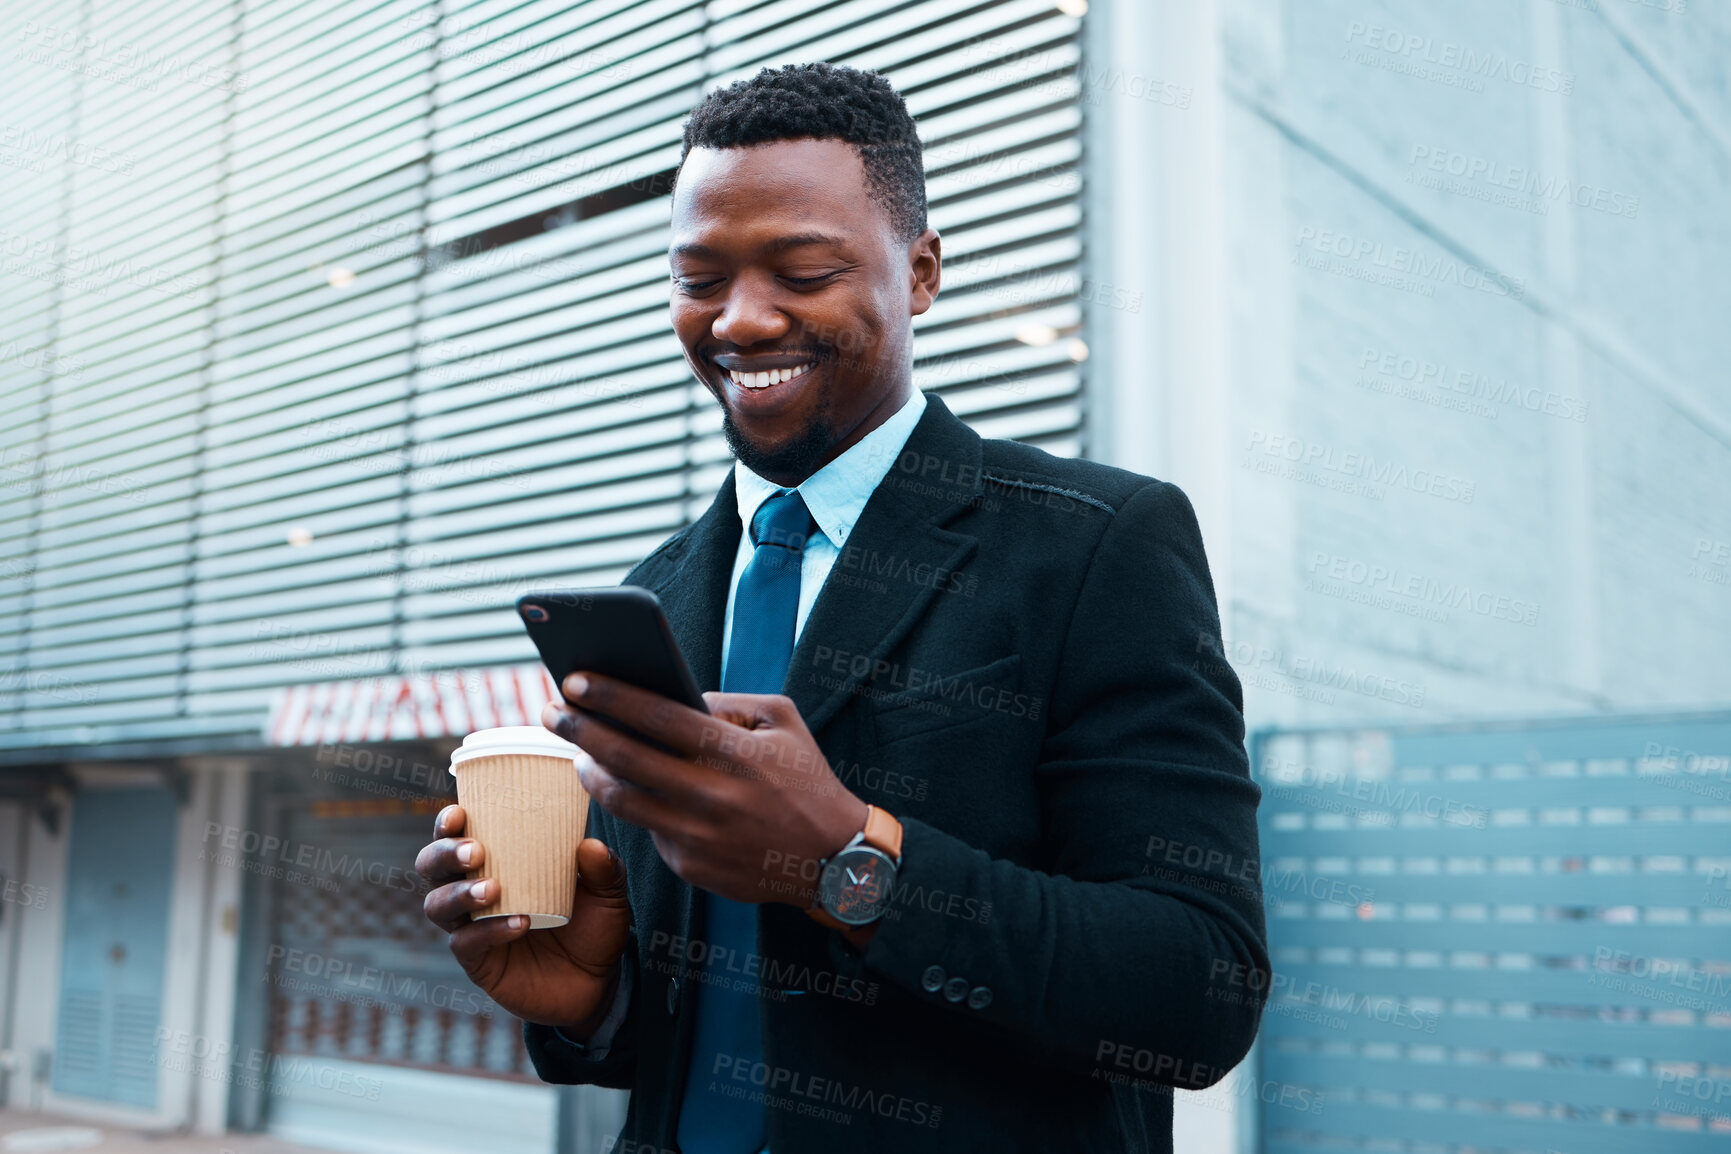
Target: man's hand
(745, 806)
(557, 977)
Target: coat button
(673, 996)
(933, 979)
(979, 998)
(955, 989)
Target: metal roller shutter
(576, 388)
(429, 364)
(314, 349)
(547, 350)
(34, 162)
(129, 259)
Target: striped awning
(448, 703)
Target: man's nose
(750, 316)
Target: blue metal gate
(1498, 938)
(111, 969)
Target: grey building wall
(1477, 300)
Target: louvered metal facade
(1499, 937)
(329, 328)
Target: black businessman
(894, 893)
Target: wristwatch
(854, 887)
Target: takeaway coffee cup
(518, 785)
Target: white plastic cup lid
(532, 740)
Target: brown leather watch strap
(883, 832)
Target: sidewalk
(27, 1132)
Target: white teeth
(767, 378)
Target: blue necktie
(765, 608)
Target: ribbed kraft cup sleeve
(528, 812)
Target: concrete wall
(1481, 459)
(33, 985)
(1430, 321)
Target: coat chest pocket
(989, 691)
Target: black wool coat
(1017, 655)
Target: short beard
(799, 458)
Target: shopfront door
(119, 878)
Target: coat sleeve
(1130, 953)
(610, 1058)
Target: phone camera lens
(534, 613)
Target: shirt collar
(837, 493)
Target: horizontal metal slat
(1346, 1120)
(1361, 1017)
(283, 635)
(634, 156)
(359, 109)
(286, 71)
(404, 147)
(279, 510)
(565, 434)
(1431, 795)
(308, 357)
(1503, 1082)
(1027, 425)
(1579, 889)
(987, 332)
(1697, 990)
(1556, 937)
(254, 235)
(74, 731)
(481, 43)
(483, 84)
(327, 322)
(617, 238)
(244, 434)
(551, 514)
(375, 227)
(142, 344)
(554, 166)
(1651, 838)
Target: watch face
(856, 885)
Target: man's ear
(925, 270)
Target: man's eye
(691, 285)
(806, 281)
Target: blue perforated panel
(1499, 939)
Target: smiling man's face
(794, 299)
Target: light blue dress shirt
(836, 495)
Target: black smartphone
(620, 631)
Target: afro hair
(824, 102)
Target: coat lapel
(898, 545)
(693, 585)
